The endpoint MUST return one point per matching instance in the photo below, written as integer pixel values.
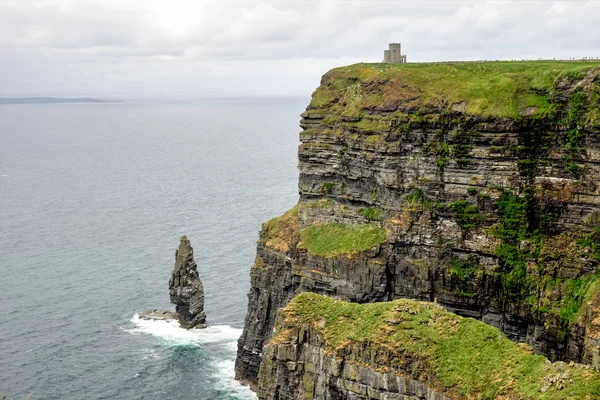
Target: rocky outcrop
(185, 287)
(327, 349)
(185, 290)
(479, 185)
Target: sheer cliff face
(475, 184)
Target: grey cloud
(42, 42)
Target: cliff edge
(476, 185)
(330, 349)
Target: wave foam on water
(169, 330)
(224, 370)
(225, 335)
(222, 336)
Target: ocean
(93, 200)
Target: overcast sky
(229, 47)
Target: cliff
(329, 349)
(476, 184)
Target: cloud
(53, 45)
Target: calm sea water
(93, 200)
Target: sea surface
(93, 200)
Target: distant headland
(52, 100)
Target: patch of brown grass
(281, 233)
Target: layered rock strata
(185, 290)
(327, 349)
(185, 287)
(476, 185)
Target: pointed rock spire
(185, 287)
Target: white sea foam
(151, 354)
(172, 332)
(224, 335)
(169, 330)
(224, 370)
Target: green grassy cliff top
(467, 357)
(497, 89)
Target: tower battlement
(394, 54)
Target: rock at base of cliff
(162, 315)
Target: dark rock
(185, 287)
(186, 291)
(159, 315)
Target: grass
(374, 139)
(466, 214)
(327, 187)
(279, 233)
(499, 89)
(467, 357)
(577, 290)
(560, 298)
(592, 243)
(322, 203)
(371, 213)
(462, 269)
(332, 240)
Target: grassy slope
(281, 232)
(499, 89)
(468, 357)
(332, 240)
(327, 240)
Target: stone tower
(394, 54)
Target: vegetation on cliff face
(281, 232)
(332, 240)
(474, 183)
(549, 102)
(464, 357)
(496, 89)
(551, 106)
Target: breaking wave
(219, 341)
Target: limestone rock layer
(185, 287)
(476, 185)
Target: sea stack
(185, 287)
(186, 291)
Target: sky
(246, 48)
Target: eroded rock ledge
(329, 349)
(473, 184)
